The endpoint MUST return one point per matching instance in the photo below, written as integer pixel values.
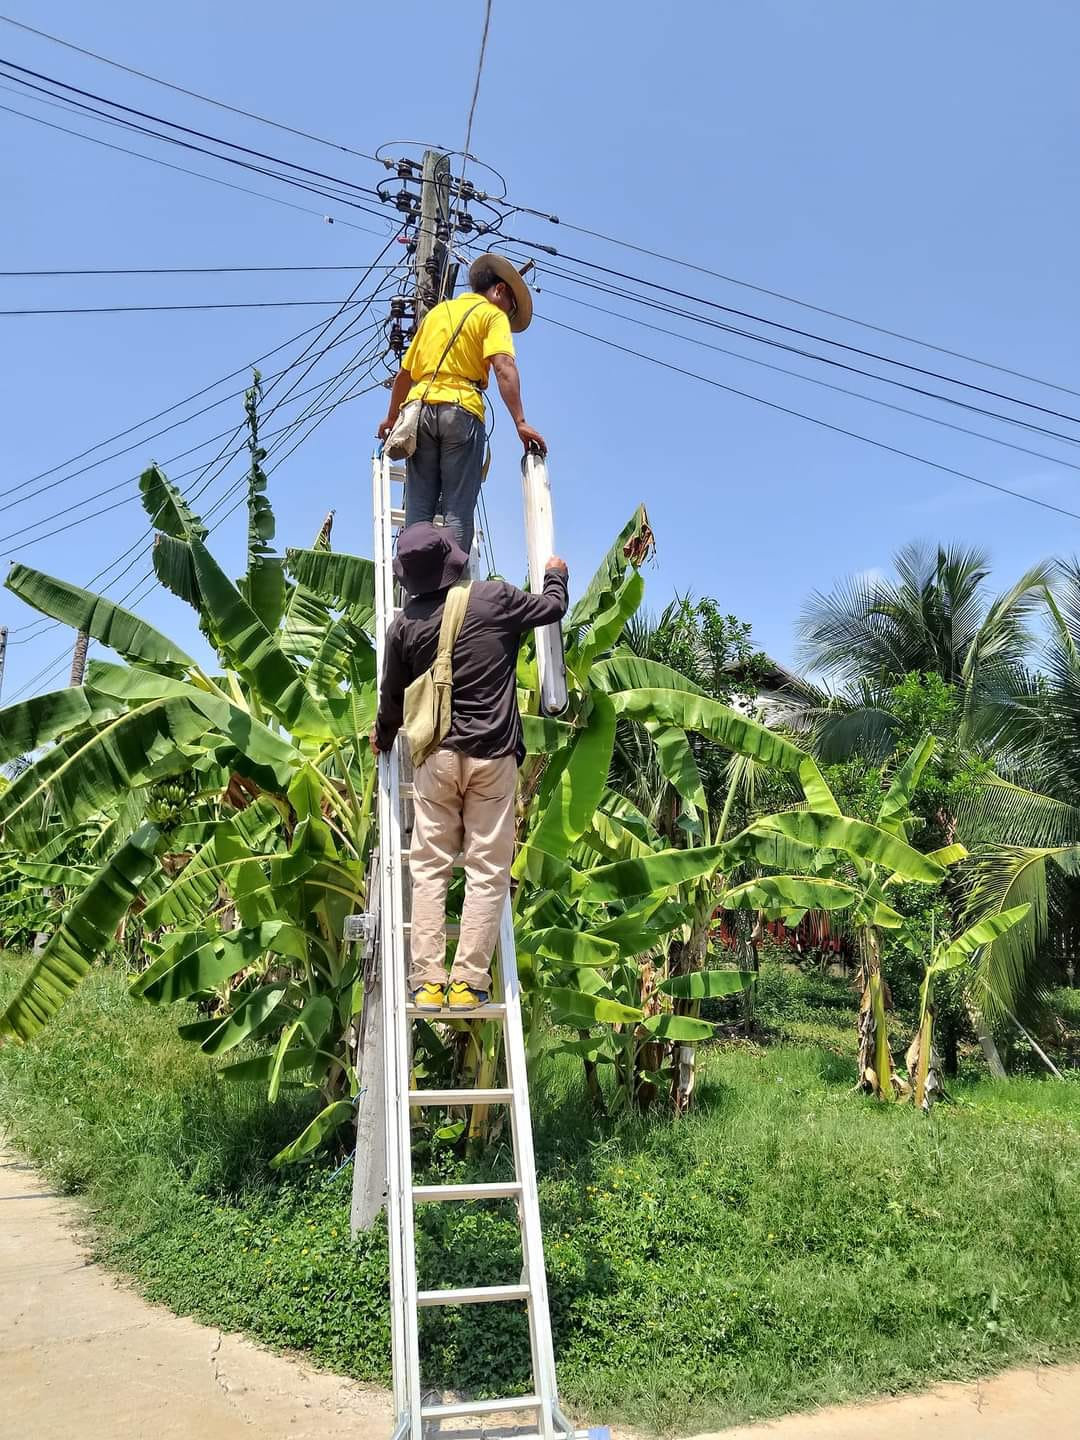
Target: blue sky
(914, 166)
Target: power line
(665, 307)
(805, 334)
(813, 420)
(241, 370)
(185, 129)
(197, 174)
(145, 440)
(793, 300)
(192, 94)
(327, 190)
(128, 480)
(185, 270)
(814, 380)
(193, 492)
(156, 309)
(542, 214)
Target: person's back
(485, 720)
(463, 792)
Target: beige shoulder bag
(428, 698)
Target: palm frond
(1012, 974)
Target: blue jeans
(443, 474)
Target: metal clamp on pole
(540, 537)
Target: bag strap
(453, 617)
(449, 346)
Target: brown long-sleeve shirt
(485, 720)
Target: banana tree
(922, 1060)
(595, 874)
(849, 865)
(257, 777)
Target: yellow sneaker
(463, 997)
(429, 997)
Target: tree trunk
(875, 1059)
(950, 1047)
(987, 1043)
(684, 957)
(648, 1052)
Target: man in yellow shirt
(446, 368)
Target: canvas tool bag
(401, 442)
(427, 699)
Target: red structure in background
(813, 934)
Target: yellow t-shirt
(463, 374)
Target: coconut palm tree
(937, 617)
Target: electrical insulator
(466, 190)
(465, 223)
(408, 334)
(442, 232)
(432, 265)
(405, 201)
(405, 168)
(397, 339)
(400, 306)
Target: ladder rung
(504, 1190)
(465, 1408)
(397, 473)
(478, 1012)
(397, 516)
(481, 1295)
(460, 1097)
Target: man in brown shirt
(464, 792)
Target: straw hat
(506, 270)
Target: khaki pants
(464, 806)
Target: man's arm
(391, 695)
(509, 382)
(402, 385)
(526, 612)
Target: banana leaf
(789, 894)
(166, 506)
(623, 670)
(32, 723)
(630, 546)
(347, 582)
(650, 873)
(894, 815)
(580, 785)
(606, 626)
(683, 1029)
(707, 984)
(573, 947)
(863, 842)
(256, 653)
(336, 1114)
(579, 1009)
(103, 620)
(84, 932)
(983, 932)
(249, 1017)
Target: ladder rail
(404, 1330)
(532, 1243)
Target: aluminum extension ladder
(539, 1410)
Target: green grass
(790, 1244)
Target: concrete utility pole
(3, 654)
(433, 235)
(78, 658)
